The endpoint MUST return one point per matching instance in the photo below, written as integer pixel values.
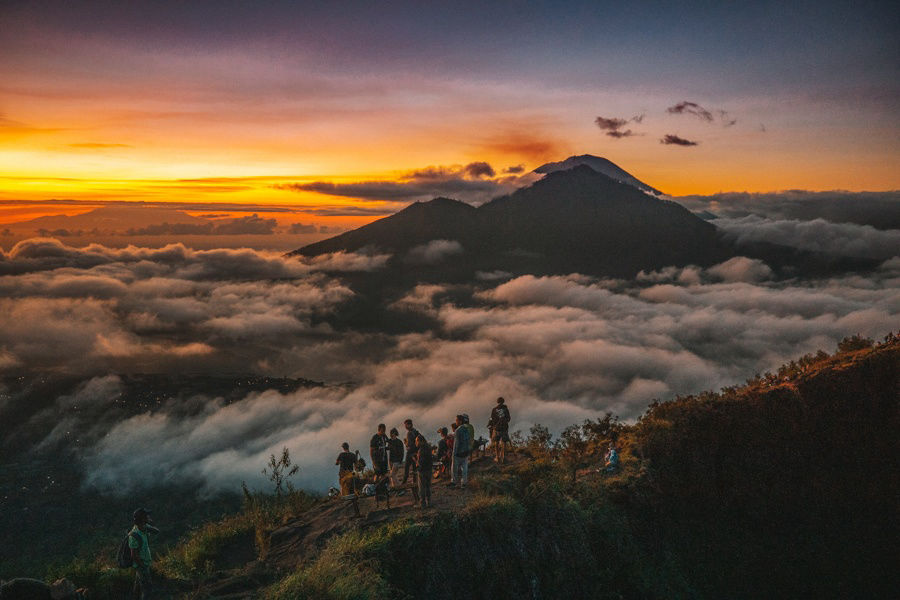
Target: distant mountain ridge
(572, 220)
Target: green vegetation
(234, 540)
(227, 543)
(497, 547)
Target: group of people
(416, 455)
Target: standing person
(346, 461)
(462, 445)
(410, 442)
(471, 429)
(395, 456)
(139, 542)
(499, 427)
(424, 466)
(612, 458)
(443, 452)
(378, 451)
(452, 437)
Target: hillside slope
(573, 220)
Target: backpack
(123, 556)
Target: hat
(140, 513)
(465, 417)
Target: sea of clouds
(560, 349)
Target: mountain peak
(601, 165)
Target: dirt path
(308, 533)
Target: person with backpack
(462, 445)
(499, 428)
(395, 456)
(378, 451)
(424, 466)
(139, 543)
(410, 442)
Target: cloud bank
(860, 224)
(880, 210)
(559, 348)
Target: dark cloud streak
(250, 225)
(671, 139)
(614, 126)
(692, 108)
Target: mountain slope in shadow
(572, 220)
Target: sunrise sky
(239, 102)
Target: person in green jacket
(139, 542)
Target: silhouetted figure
(139, 542)
(424, 467)
(498, 426)
(462, 445)
(443, 452)
(395, 456)
(410, 442)
(378, 451)
(346, 461)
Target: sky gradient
(233, 102)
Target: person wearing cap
(139, 542)
(499, 428)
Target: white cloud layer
(560, 348)
(819, 235)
